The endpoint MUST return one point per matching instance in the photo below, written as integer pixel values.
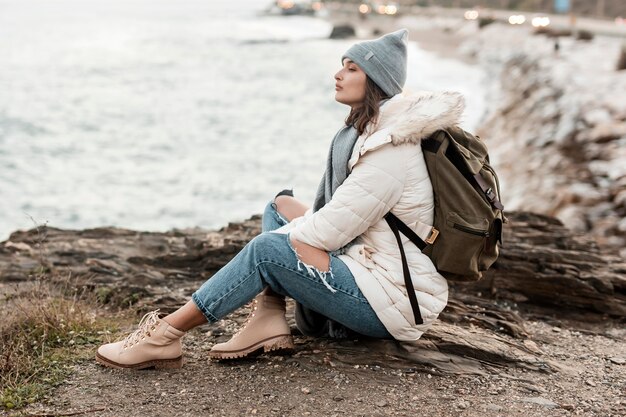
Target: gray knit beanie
(383, 60)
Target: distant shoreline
(430, 37)
(598, 26)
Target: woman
(339, 260)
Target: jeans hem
(207, 314)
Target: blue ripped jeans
(270, 260)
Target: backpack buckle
(433, 235)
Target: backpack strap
(489, 193)
(425, 235)
(398, 226)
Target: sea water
(161, 114)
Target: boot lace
(147, 324)
(250, 316)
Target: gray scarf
(310, 322)
(336, 165)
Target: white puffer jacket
(388, 173)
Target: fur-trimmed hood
(409, 119)
(418, 116)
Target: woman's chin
(339, 99)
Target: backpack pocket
(472, 225)
(459, 246)
(491, 251)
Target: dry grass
(44, 328)
(46, 324)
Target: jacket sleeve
(373, 187)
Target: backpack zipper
(470, 230)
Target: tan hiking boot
(266, 328)
(154, 344)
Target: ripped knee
(289, 207)
(311, 255)
(280, 201)
(285, 192)
(314, 260)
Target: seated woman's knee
(282, 202)
(266, 244)
(289, 207)
(311, 255)
(265, 239)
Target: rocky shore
(556, 127)
(504, 345)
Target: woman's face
(350, 84)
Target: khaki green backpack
(468, 213)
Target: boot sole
(272, 344)
(175, 363)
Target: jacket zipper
(470, 230)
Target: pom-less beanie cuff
(384, 60)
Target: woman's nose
(338, 76)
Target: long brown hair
(359, 117)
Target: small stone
(163, 394)
(568, 407)
(254, 411)
(381, 403)
(305, 390)
(493, 407)
(532, 346)
(540, 401)
(532, 388)
(590, 383)
(618, 360)
(19, 246)
(597, 116)
(556, 329)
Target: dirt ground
(342, 378)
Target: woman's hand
(311, 255)
(290, 208)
